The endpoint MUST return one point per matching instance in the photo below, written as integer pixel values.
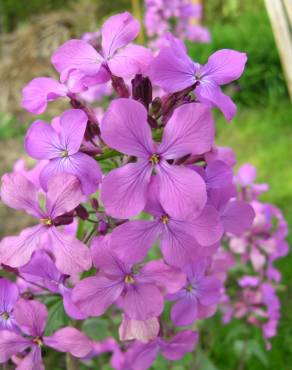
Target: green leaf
(57, 316)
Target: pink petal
(124, 127)
(76, 55)
(80, 164)
(70, 308)
(218, 174)
(190, 130)
(118, 31)
(31, 316)
(210, 93)
(16, 251)
(95, 294)
(8, 295)
(182, 190)
(70, 340)
(42, 141)
(19, 193)
(72, 256)
(133, 239)
(131, 60)
(73, 124)
(184, 311)
(63, 195)
(172, 70)
(183, 342)
(143, 331)
(32, 361)
(225, 66)
(123, 190)
(246, 174)
(11, 344)
(142, 302)
(167, 278)
(237, 217)
(39, 91)
(210, 290)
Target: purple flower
(173, 70)
(117, 56)
(31, 317)
(63, 195)
(61, 148)
(42, 270)
(198, 298)
(180, 238)
(190, 130)
(140, 294)
(9, 294)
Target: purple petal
(210, 93)
(70, 307)
(63, 195)
(144, 331)
(133, 239)
(190, 130)
(8, 295)
(42, 141)
(32, 361)
(237, 217)
(124, 127)
(31, 316)
(142, 301)
(70, 340)
(11, 344)
(141, 356)
(218, 174)
(207, 228)
(183, 342)
(167, 278)
(172, 70)
(153, 205)
(210, 290)
(182, 190)
(225, 66)
(19, 193)
(184, 312)
(132, 60)
(118, 31)
(246, 174)
(123, 190)
(76, 55)
(39, 91)
(80, 164)
(94, 295)
(16, 251)
(72, 256)
(73, 125)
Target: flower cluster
(257, 280)
(181, 17)
(130, 209)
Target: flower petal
(8, 295)
(190, 130)
(95, 294)
(73, 125)
(183, 342)
(237, 217)
(124, 127)
(11, 344)
(72, 256)
(39, 91)
(123, 190)
(118, 31)
(42, 142)
(70, 340)
(182, 190)
(210, 290)
(142, 330)
(225, 66)
(184, 311)
(31, 316)
(32, 361)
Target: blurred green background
(261, 133)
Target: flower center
(64, 153)
(46, 221)
(5, 315)
(38, 341)
(154, 159)
(129, 279)
(164, 219)
(189, 288)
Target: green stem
(71, 362)
(109, 153)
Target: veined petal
(237, 217)
(39, 91)
(183, 342)
(124, 127)
(95, 294)
(11, 344)
(123, 190)
(31, 316)
(42, 142)
(32, 361)
(8, 295)
(184, 312)
(182, 190)
(118, 31)
(190, 130)
(142, 330)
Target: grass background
(260, 134)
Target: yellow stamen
(154, 159)
(38, 341)
(64, 153)
(5, 315)
(129, 279)
(164, 219)
(46, 221)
